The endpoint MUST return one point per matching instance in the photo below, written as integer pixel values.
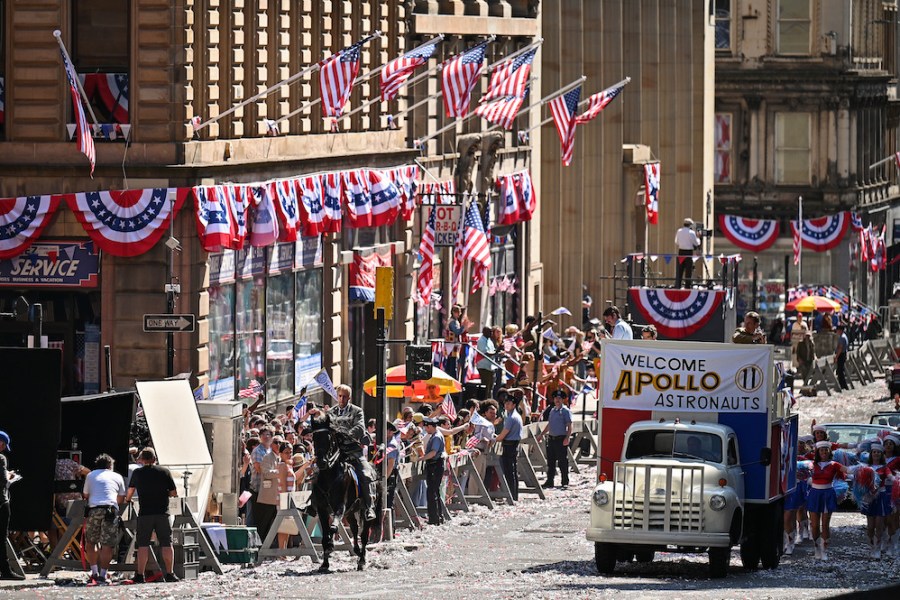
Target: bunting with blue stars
(129, 222)
(21, 221)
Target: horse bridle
(327, 461)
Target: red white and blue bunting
(754, 235)
(22, 220)
(676, 313)
(517, 199)
(822, 233)
(126, 223)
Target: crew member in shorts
(154, 486)
(104, 491)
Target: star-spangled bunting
(262, 220)
(651, 192)
(458, 78)
(126, 223)
(332, 192)
(425, 283)
(215, 216)
(676, 313)
(112, 89)
(336, 77)
(82, 127)
(395, 73)
(312, 210)
(754, 235)
(22, 220)
(563, 109)
(597, 102)
(822, 233)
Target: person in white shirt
(686, 241)
(620, 329)
(104, 490)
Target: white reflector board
(178, 437)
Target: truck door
(733, 463)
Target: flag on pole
(324, 380)
(651, 192)
(796, 245)
(252, 390)
(336, 77)
(300, 409)
(395, 73)
(448, 407)
(426, 268)
(598, 102)
(510, 78)
(474, 247)
(563, 109)
(897, 159)
(502, 111)
(82, 127)
(458, 78)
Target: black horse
(335, 492)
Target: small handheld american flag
(473, 441)
(251, 391)
(448, 407)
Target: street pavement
(537, 549)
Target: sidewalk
(31, 582)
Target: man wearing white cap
(686, 241)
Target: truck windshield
(678, 444)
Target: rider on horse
(350, 417)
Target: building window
(723, 24)
(503, 284)
(792, 147)
(308, 326)
(100, 54)
(265, 320)
(794, 27)
(722, 173)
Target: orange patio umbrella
(811, 303)
(397, 384)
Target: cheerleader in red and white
(822, 501)
(874, 502)
(891, 445)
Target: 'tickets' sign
(51, 263)
(686, 377)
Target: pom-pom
(841, 490)
(864, 485)
(804, 469)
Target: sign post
(384, 310)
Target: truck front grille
(654, 498)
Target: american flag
(564, 108)
(395, 73)
(796, 246)
(502, 111)
(651, 192)
(448, 407)
(897, 159)
(336, 77)
(473, 246)
(426, 269)
(300, 409)
(458, 78)
(251, 391)
(85, 136)
(598, 102)
(856, 221)
(473, 441)
(510, 78)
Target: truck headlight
(717, 502)
(600, 497)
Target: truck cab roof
(698, 426)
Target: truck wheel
(645, 556)
(719, 559)
(605, 557)
(624, 555)
(750, 553)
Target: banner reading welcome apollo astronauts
(685, 376)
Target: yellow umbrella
(396, 382)
(811, 303)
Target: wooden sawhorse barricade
(184, 518)
(289, 504)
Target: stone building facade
(278, 314)
(806, 101)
